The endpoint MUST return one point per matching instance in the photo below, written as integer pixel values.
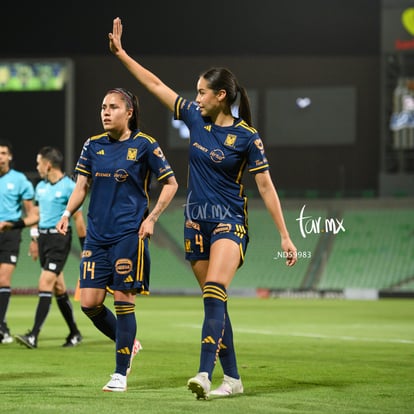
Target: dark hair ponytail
(244, 106)
(223, 78)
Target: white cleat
(200, 385)
(229, 386)
(118, 383)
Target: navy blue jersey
(218, 157)
(14, 188)
(52, 199)
(121, 177)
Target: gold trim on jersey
(94, 137)
(240, 173)
(166, 175)
(83, 171)
(245, 125)
(146, 185)
(259, 168)
(177, 106)
(148, 137)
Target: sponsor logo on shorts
(192, 225)
(123, 266)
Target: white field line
(311, 335)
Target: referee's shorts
(54, 249)
(10, 246)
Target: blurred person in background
(52, 248)
(16, 199)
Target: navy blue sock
(214, 297)
(103, 319)
(125, 334)
(227, 353)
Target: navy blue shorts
(122, 266)
(199, 236)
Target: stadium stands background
(271, 46)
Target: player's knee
(92, 312)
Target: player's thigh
(200, 268)
(224, 261)
(125, 296)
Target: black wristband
(82, 241)
(19, 224)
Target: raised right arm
(151, 82)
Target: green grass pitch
(295, 356)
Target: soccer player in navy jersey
(116, 167)
(16, 198)
(221, 148)
(51, 196)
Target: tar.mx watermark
(317, 225)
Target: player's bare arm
(75, 201)
(271, 200)
(166, 195)
(151, 82)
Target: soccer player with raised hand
(222, 146)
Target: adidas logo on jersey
(101, 152)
